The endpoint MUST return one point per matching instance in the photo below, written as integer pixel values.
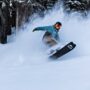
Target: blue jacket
(51, 29)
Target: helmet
(59, 23)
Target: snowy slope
(58, 75)
(24, 64)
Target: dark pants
(48, 39)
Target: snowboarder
(51, 36)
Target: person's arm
(55, 35)
(45, 28)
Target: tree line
(14, 13)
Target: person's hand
(33, 30)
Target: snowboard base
(62, 51)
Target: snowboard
(62, 51)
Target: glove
(33, 30)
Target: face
(57, 26)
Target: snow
(24, 64)
(65, 74)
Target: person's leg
(49, 41)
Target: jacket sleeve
(46, 28)
(56, 36)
